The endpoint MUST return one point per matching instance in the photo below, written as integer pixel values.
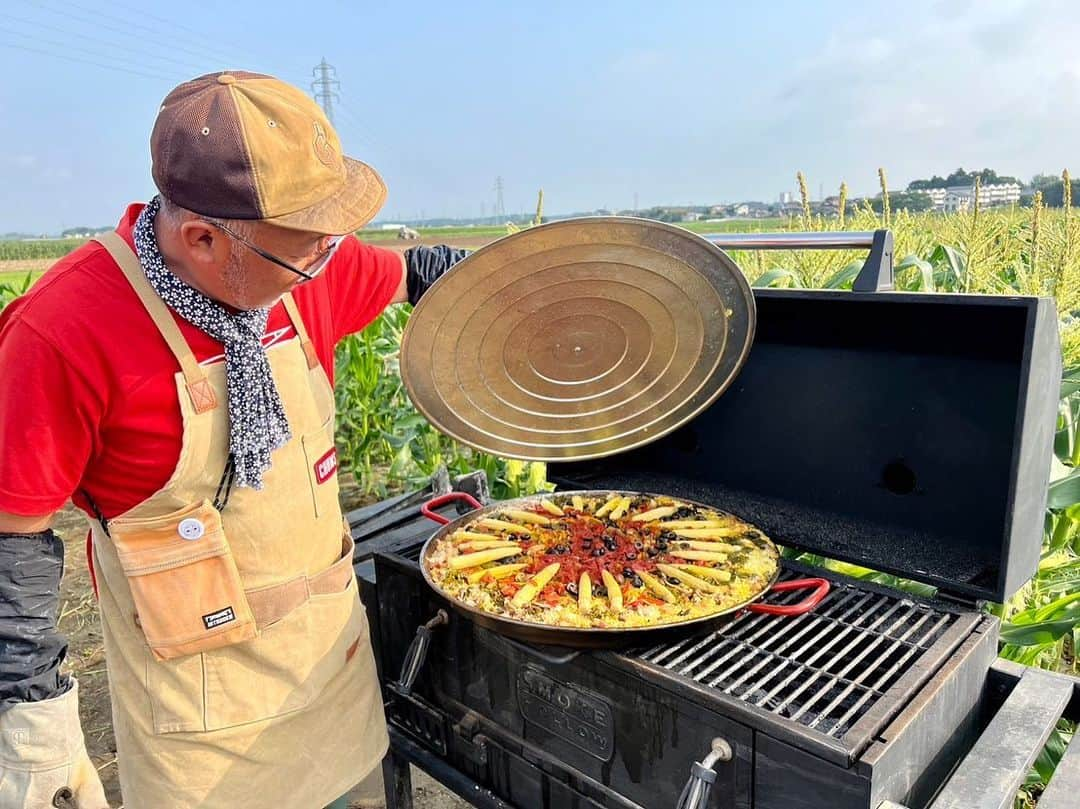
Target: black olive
(638, 545)
(628, 571)
(598, 552)
(662, 545)
(637, 581)
(560, 549)
(668, 536)
(611, 545)
(683, 513)
(631, 556)
(673, 580)
(571, 588)
(651, 552)
(599, 590)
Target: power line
(55, 55)
(68, 47)
(324, 87)
(346, 116)
(129, 22)
(169, 46)
(142, 12)
(110, 43)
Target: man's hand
(43, 756)
(425, 265)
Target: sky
(682, 102)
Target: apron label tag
(218, 618)
(326, 465)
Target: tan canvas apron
(291, 718)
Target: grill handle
(821, 590)
(416, 654)
(876, 274)
(437, 502)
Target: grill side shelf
(991, 774)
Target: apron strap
(301, 331)
(203, 398)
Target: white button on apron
(191, 528)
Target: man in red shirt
(174, 379)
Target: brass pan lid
(578, 339)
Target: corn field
(388, 446)
(26, 249)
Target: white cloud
(978, 84)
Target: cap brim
(349, 209)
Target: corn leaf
(1043, 625)
(1070, 381)
(1051, 754)
(950, 267)
(779, 277)
(845, 278)
(1065, 492)
(924, 280)
(1039, 633)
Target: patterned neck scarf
(257, 423)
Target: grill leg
(397, 781)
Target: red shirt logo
(326, 465)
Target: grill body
(874, 696)
(904, 432)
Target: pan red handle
(442, 500)
(804, 606)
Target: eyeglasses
(308, 273)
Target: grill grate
(825, 669)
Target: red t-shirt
(87, 392)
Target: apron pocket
(322, 462)
(288, 666)
(184, 581)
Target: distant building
(786, 197)
(742, 209)
(937, 196)
(961, 197)
(691, 216)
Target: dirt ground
(86, 659)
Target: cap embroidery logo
(323, 150)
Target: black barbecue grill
(909, 433)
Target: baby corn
(534, 585)
(467, 560)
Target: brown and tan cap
(239, 145)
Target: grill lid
(910, 433)
(578, 339)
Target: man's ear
(204, 243)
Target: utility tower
(500, 209)
(325, 87)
